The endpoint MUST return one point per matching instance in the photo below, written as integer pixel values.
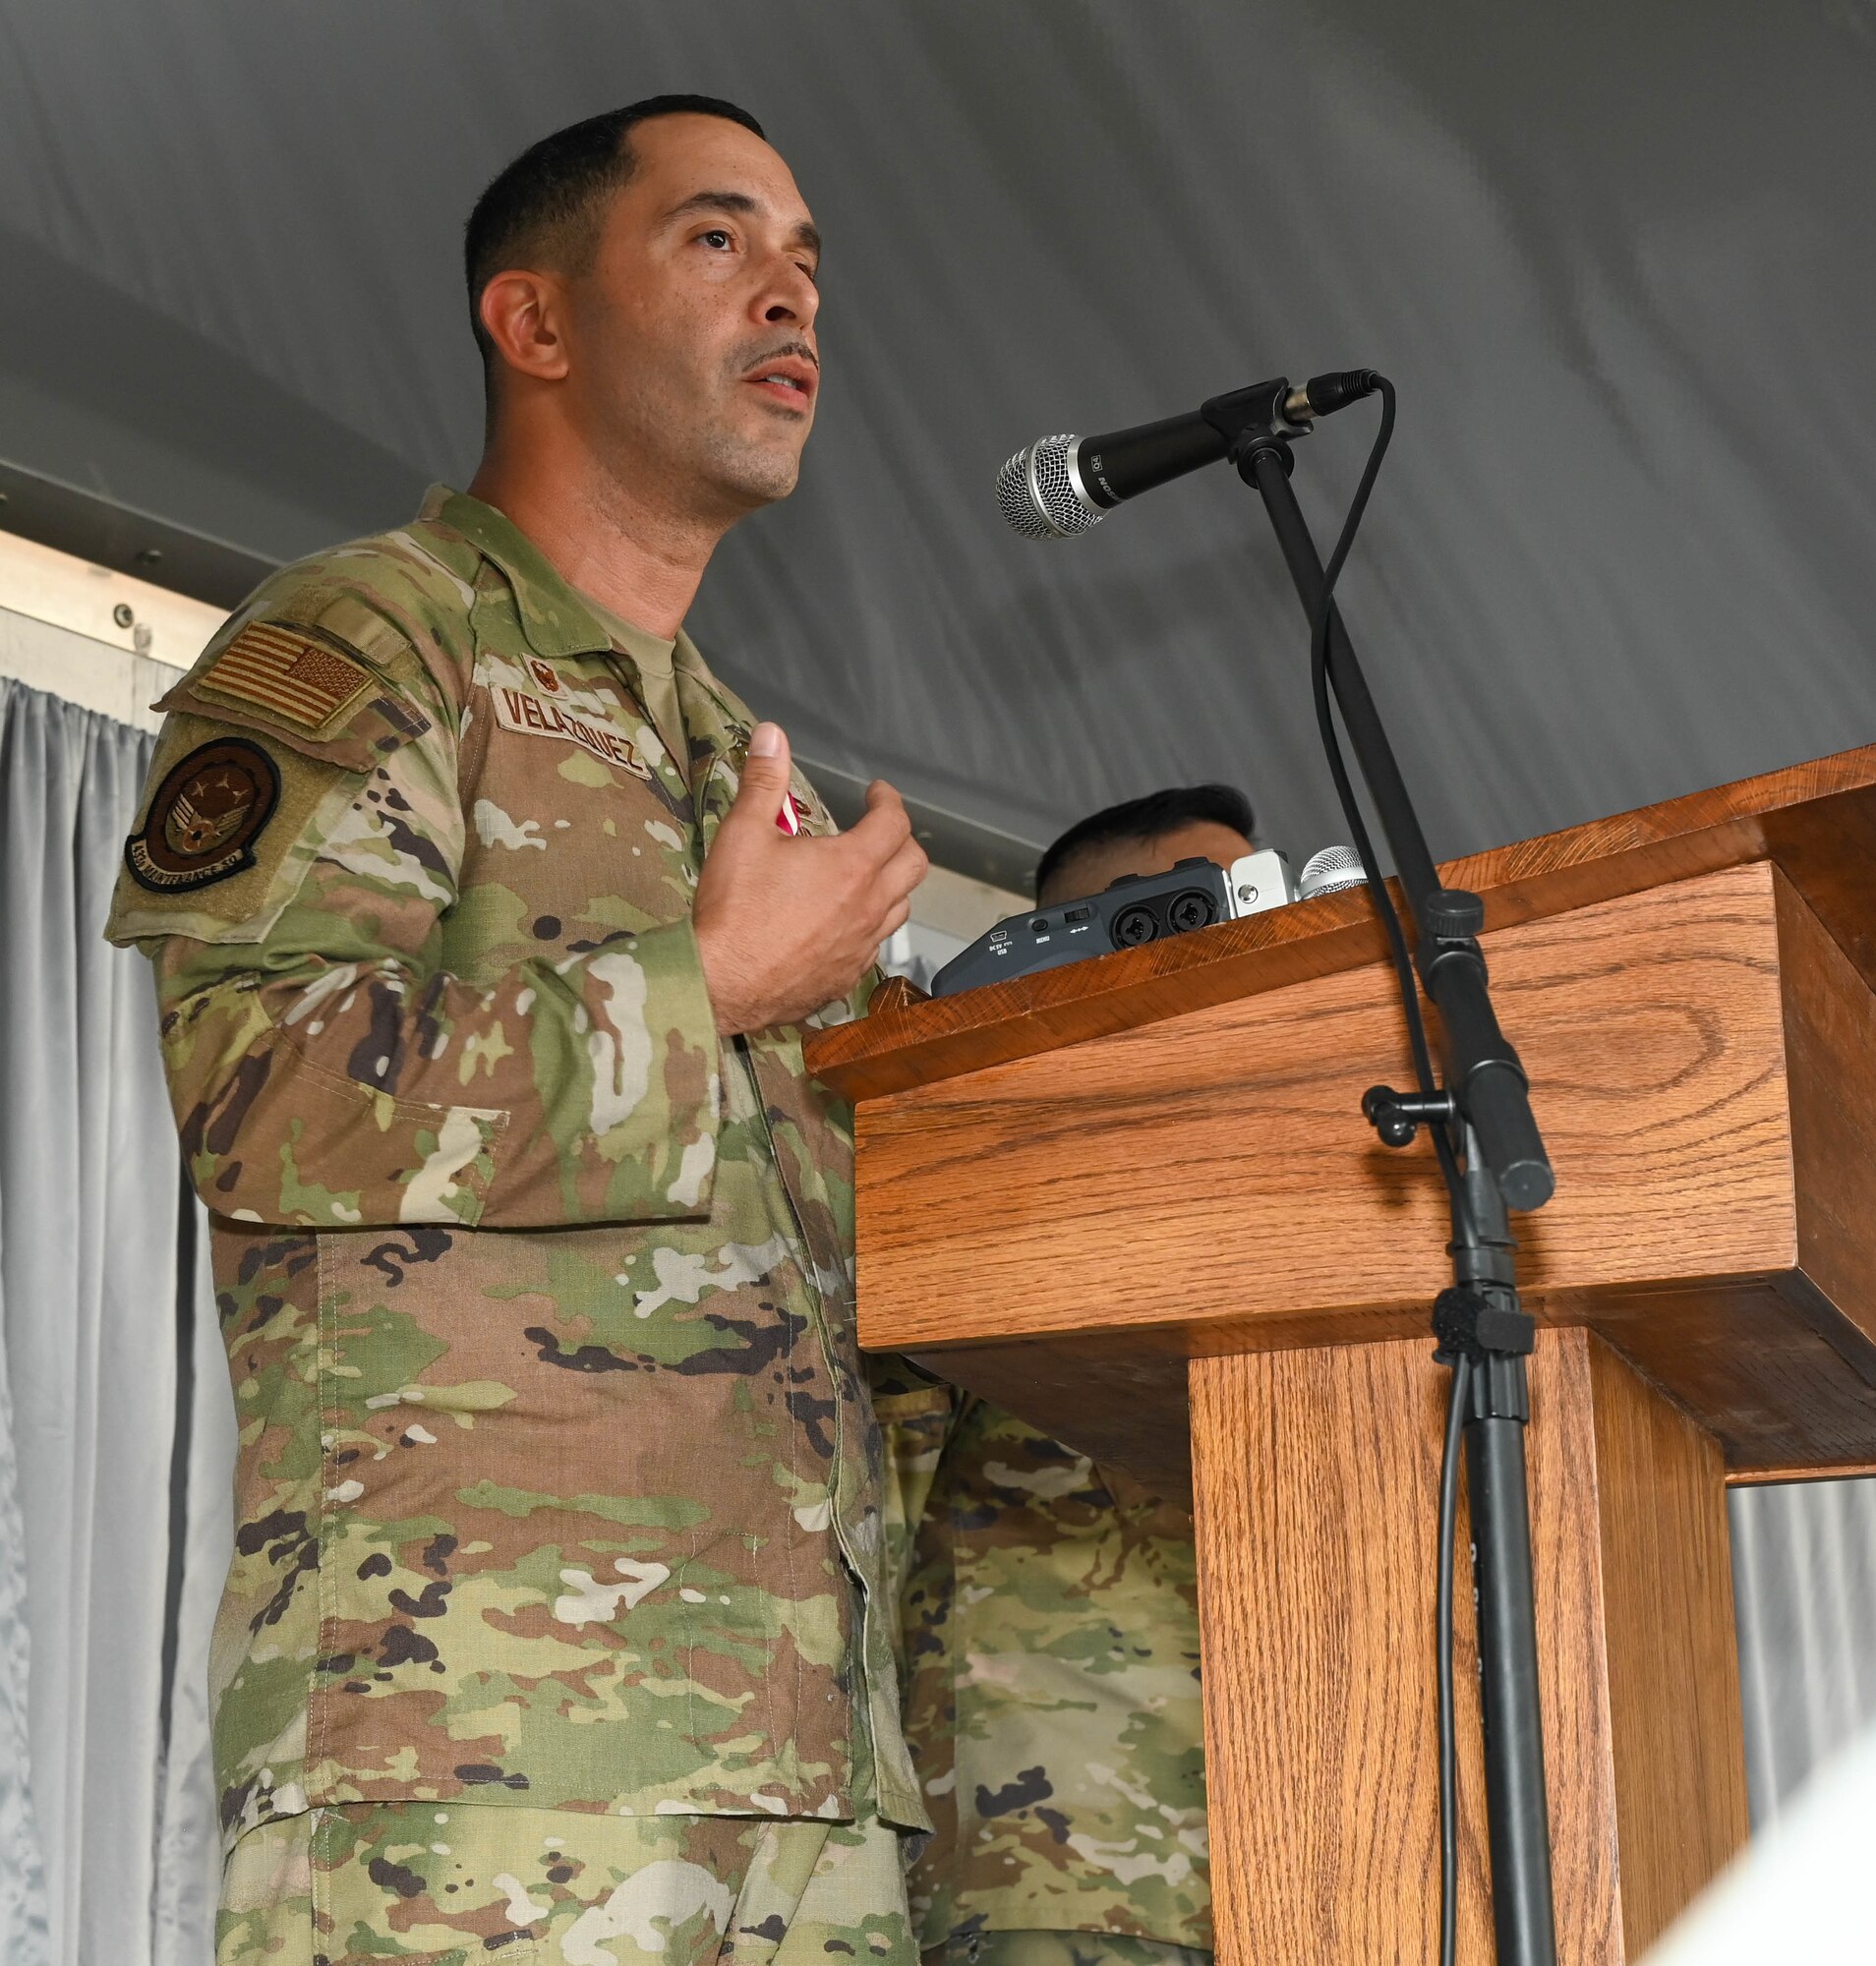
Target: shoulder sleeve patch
(231, 822)
(203, 818)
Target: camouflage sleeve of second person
(917, 1415)
(326, 1070)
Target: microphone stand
(1478, 1320)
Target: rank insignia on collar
(205, 818)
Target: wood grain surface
(1204, 1184)
(1669, 1653)
(1762, 1477)
(1815, 821)
(1213, 1170)
(1783, 1402)
(1830, 1038)
(1316, 1490)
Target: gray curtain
(1804, 1586)
(23, 1939)
(109, 1562)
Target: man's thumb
(765, 769)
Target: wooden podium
(1135, 1201)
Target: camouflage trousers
(1060, 1948)
(452, 1883)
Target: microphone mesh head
(1331, 871)
(1037, 495)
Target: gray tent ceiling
(1617, 255)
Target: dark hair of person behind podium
(1094, 850)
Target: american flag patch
(285, 672)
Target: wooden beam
(1204, 1184)
(1316, 1480)
(1815, 821)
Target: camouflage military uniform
(559, 1487)
(1054, 1704)
(557, 1887)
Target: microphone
(1060, 486)
(1330, 872)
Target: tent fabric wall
(1617, 257)
(90, 1205)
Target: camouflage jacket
(1053, 1703)
(558, 1483)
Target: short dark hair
(549, 202)
(1146, 819)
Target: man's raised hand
(784, 924)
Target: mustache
(770, 351)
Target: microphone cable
(1443, 1147)
(1442, 1660)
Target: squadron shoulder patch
(288, 672)
(205, 818)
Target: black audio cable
(1320, 684)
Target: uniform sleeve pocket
(400, 1160)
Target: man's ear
(523, 314)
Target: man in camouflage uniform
(1052, 1625)
(554, 1628)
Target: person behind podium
(1052, 1626)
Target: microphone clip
(1270, 416)
(1266, 417)
(1397, 1116)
